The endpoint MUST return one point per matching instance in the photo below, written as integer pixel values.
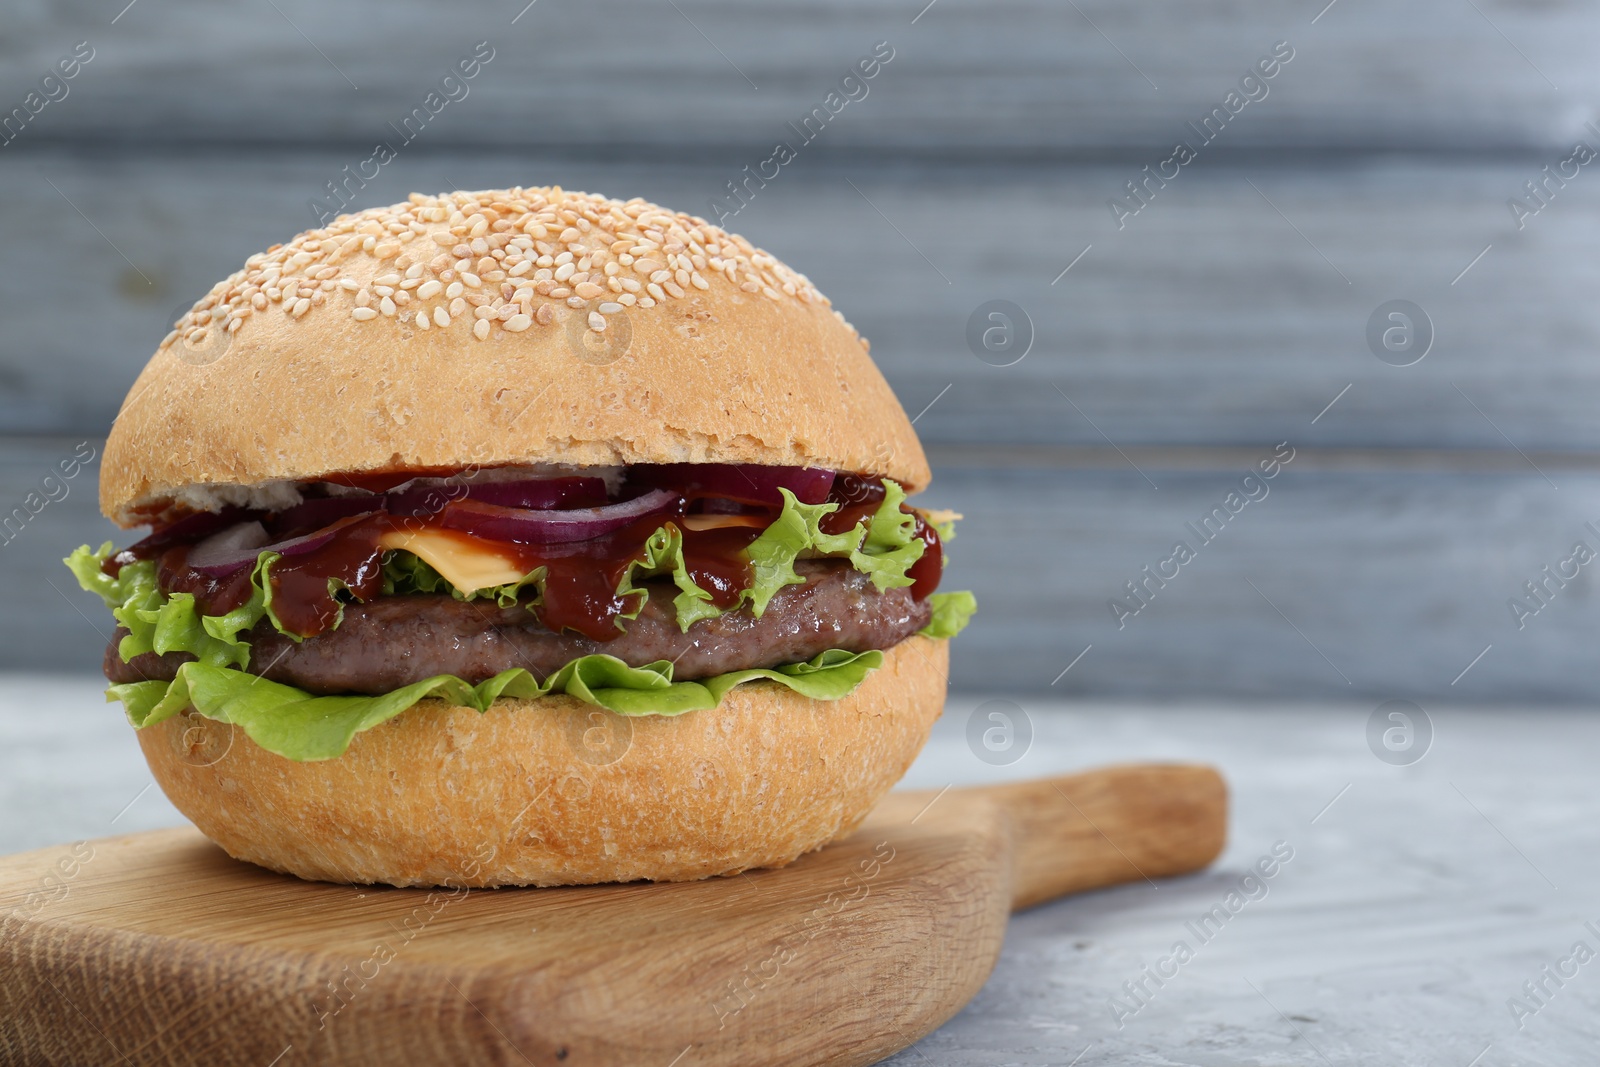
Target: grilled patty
(393, 641)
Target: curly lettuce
(160, 622)
(884, 546)
(951, 613)
(299, 726)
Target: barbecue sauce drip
(212, 596)
(308, 591)
(581, 577)
(306, 588)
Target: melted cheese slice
(466, 562)
(723, 522)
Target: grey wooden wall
(1180, 348)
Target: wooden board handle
(1111, 825)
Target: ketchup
(581, 577)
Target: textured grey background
(1220, 321)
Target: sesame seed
(480, 329)
(571, 247)
(597, 321)
(518, 323)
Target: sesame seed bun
(520, 795)
(435, 334)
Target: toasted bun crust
(521, 795)
(301, 365)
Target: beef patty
(393, 641)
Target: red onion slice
(535, 493)
(318, 512)
(496, 523)
(241, 545)
(748, 483)
(543, 493)
(223, 553)
(186, 530)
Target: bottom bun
(558, 792)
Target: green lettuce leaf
(160, 623)
(951, 613)
(663, 555)
(882, 546)
(298, 726)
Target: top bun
(509, 327)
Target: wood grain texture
(161, 948)
(1017, 76)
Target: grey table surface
(1418, 900)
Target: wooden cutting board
(157, 948)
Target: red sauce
(212, 596)
(717, 562)
(929, 568)
(856, 489)
(581, 577)
(305, 588)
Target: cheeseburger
(522, 537)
